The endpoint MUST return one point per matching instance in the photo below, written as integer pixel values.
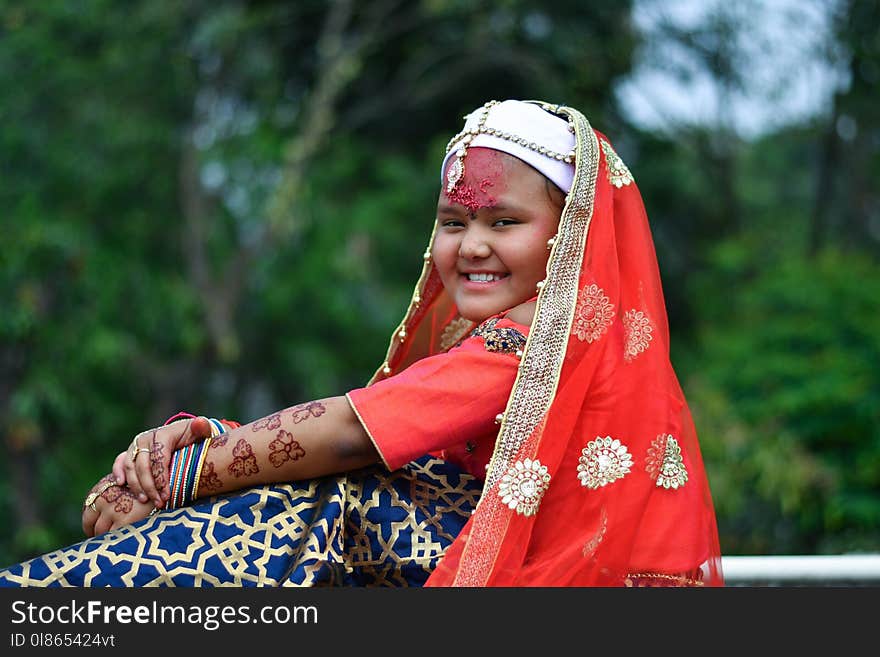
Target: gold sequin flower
(665, 464)
(455, 331)
(603, 461)
(637, 334)
(618, 173)
(593, 314)
(522, 486)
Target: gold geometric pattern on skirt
(369, 528)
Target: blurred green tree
(219, 206)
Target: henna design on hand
(285, 448)
(158, 466)
(100, 483)
(245, 462)
(269, 422)
(209, 479)
(219, 441)
(123, 498)
(305, 411)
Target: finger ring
(134, 448)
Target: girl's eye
(506, 222)
(451, 223)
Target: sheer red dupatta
(597, 477)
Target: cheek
(532, 257)
(538, 268)
(444, 254)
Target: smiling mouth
(484, 278)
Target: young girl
(525, 429)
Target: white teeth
(483, 278)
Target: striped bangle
(181, 476)
(200, 462)
(217, 427)
(186, 468)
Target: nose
(474, 245)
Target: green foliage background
(221, 207)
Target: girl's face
(490, 247)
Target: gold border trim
(538, 376)
(367, 430)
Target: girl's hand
(109, 505)
(143, 467)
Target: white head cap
(524, 130)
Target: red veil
(597, 477)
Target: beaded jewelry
(456, 170)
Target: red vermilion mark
(483, 174)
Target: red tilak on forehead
(483, 176)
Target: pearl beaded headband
(524, 129)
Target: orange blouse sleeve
(440, 401)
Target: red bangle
(178, 415)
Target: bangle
(186, 467)
(199, 463)
(178, 415)
(217, 427)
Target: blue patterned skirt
(367, 528)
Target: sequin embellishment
(592, 545)
(637, 334)
(593, 315)
(502, 340)
(603, 461)
(522, 486)
(638, 580)
(665, 464)
(618, 173)
(454, 331)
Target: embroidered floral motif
(637, 334)
(593, 314)
(503, 340)
(454, 331)
(603, 461)
(522, 486)
(618, 173)
(665, 464)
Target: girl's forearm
(308, 440)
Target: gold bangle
(95, 494)
(200, 465)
